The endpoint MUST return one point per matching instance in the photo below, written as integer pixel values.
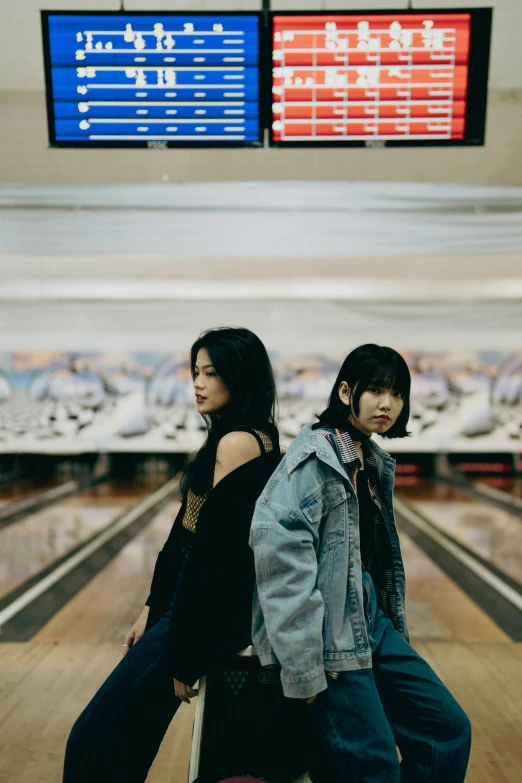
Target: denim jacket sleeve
(285, 538)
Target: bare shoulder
(234, 449)
(234, 445)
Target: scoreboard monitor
(142, 79)
(380, 78)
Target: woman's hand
(310, 699)
(184, 692)
(137, 631)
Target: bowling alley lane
(86, 636)
(24, 488)
(489, 531)
(437, 608)
(506, 484)
(81, 644)
(39, 539)
(111, 602)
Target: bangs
(370, 365)
(390, 378)
(391, 374)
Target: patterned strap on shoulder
(264, 441)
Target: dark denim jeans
(117, 736)
(364, 714)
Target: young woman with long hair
(199, 610)
(329, 605)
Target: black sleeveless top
(212, 615)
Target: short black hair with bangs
(366, 366)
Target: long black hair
(366, 366)
(241, 361)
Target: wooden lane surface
(437, 608)
(489, 531)
(37, 540)
(108, 606)
(23, 488)
(486, 679)
(44, 686)
(512, 486)
(428, 489)
(111, 602)
(104, 609)
(45, 683)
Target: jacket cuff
(304, 686)
(267, 658)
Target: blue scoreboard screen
(173, 79)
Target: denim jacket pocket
(338, 632)
(333, 524)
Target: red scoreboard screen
(378, 79)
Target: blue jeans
(117, 736)
(401, 702)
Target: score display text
(129, 79)
(370, 77)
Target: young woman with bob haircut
(329, 604)
(199, 610)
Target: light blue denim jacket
(308, 603)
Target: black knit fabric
(376, 551)
(212, 616)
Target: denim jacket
(308, 603)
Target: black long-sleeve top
(212, 614)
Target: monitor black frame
(477, 91)
(264, 78)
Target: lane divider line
(497, 494)
(82, 554)
(466, 560)
(476, 491)
(42, 497)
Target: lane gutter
(478, 492)
(496, 593)
(30, 607)
(514, 504)
(13, 512)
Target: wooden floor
(90, 616)
(491, 532)
(45, 683)
(43, 689)
(437, 609)
(23, 488)
(40, 538)
(44, 686)
(513, 486)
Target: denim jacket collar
(309, 442)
